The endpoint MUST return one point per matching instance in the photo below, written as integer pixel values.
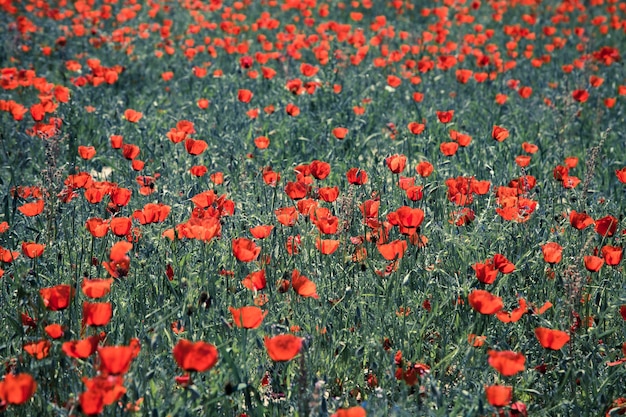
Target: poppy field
(312, 208)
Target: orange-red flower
(416, 128)
(319, 169)
(396, 163)
(97, 314)
(255, 281)
(356, 176)
(327, 246)
(606, 226)
(17, 389)
(552, 252)
(551, 339)
(424, 169)
(199, 356)
(499, 133)
(86, 152)
(96, 288)
(97, 227)
(593, 263)
(245, 250)
(58, 297)
(484, 302)
(302, 285)
(262, 231)
(132, 116)
(499, 395)
(506, 362)
(393, 250)
(340, 132)
(261, 142)
(39, 349)
(54, 331)
(612, 255)
(244, 95)
(115, 360)
(81, 349)
(249, 317)
(283, 348)
(32, 250)
(286, 216)
(445, 116)
(580, 220)
(32, 209)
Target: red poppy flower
(81, 349)
(621, 175)
(593, 263)
(244, 95)
(261, 142)
(199, 356)
(119, 250)
(507, 362)
(551, 339)
(416, 128)
(396, 163)
(319, 169)
(54, 331)
(296, 190)
(580, 220)
(97, 227)
(329, 194)
(195, 147)
(132, 116)
(499, 133)
(448, 148)
(32, 250)
(485, 272)
(255, 281)
(292, 110)
(445, 116)
(612, 255)
(302, 285)
(245, 250)
(499, 395)
(393, 81)
(484, 302)
(116, 141)
(97, 314)
(17, 389)
(261, 232)
(409, 219)
(552, 252)
(529, 148)
(606, 226)
(503, 264)
(327, 246)
(39, 349)
(249, 317)
(115, 360)
(286, 216)
(393, 250)
(340, 132)
(120, 196)
(580, 96)
(32, 209)
(424, 169)
(96, 288)
(86, 152)
(356, 176)
(120, 226)
(283, 348)
(58, 297)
